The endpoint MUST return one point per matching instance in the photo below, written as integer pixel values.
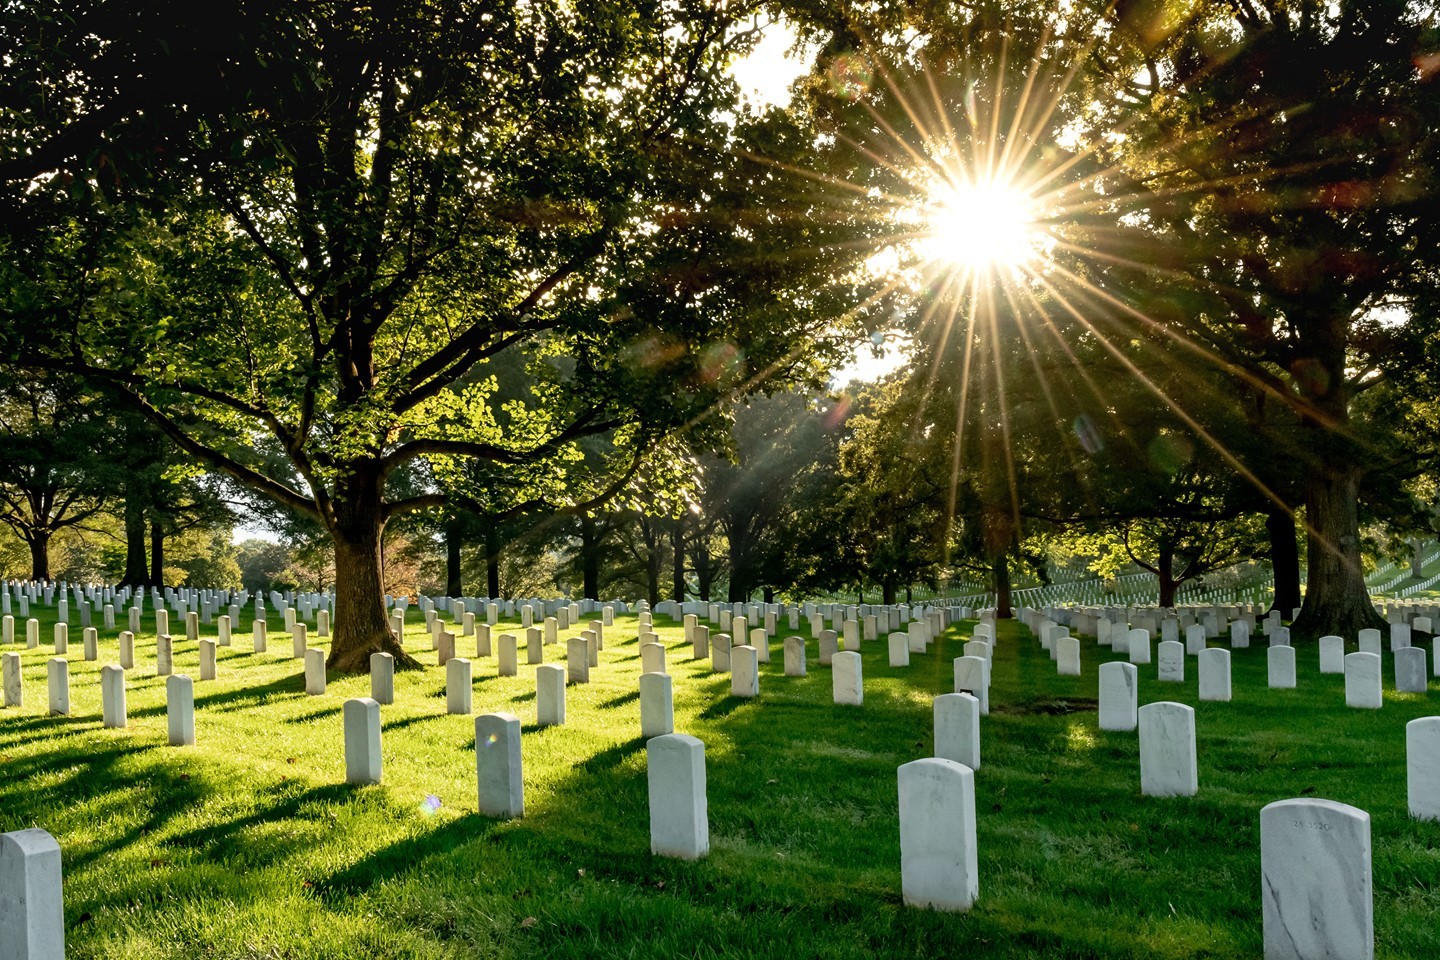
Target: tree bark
(704, 571)
(887, 592)
(39, 543)
(135, 573)
(157, 553)
(650, 533)
(767, 594)
(677, 560)
(1417, 559)
(361, 626)
(589, 558)
(1000, 570)
(453, 585)
(493, 547)
(1165, 573)
(1284, 560)
(1337, 601)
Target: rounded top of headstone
(1313, 805)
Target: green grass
(249, 844)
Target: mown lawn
(250, 845)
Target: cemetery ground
(249, 844)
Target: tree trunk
(1417, 559)
(650, 533)
(677, 560)
(135, 573)
(589, 558)
(1000, 569)
(492, 561)
(704, 572)
(1337, 601)
(1165, 573)
(39, 542)
(453, 585)
(887, 592)
(1284, 560)
(361, 626)
(157, 553)
(767, 594)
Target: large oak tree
(337, 214)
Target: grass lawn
(250, 845)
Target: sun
(980, 226)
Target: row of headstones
(1168, 761)
(1362, 673)
(582, 653)
(58, 667)
(1315, 862)
(32, 916)
(1315, 854)
(164, 641)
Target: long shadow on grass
(399, 858)
(243, 698)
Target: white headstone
(720, 653)
(362, 740)
(549, 695)
(1067, 656)
(939, 861)
(846, 680)
(382, 678)
(180, 710)
(899, 649)
(577, 659)
(1119, 695)
(1280, 662)
(1370, 641)
(258, 636)
(657, 705)
(1194, 639)
(957, 729)
(1411, 674)
(795, 656)
(972, 675)
(112, 696)
(32, 912)
(1362, 681)
(1215, 674)
(459, 688)
(1138, 643)
(1170, 658)
(1167, 749)
(314, 672)
(12, 679)
(679, 823)
(207, 659)
(744, 671)
(652, 658)
(508, 655)
(497, 765)
(1240, 635)
(1422, 765)
(1332, 654)
(58, 676)
(1315, 881)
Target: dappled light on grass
(248, 844)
